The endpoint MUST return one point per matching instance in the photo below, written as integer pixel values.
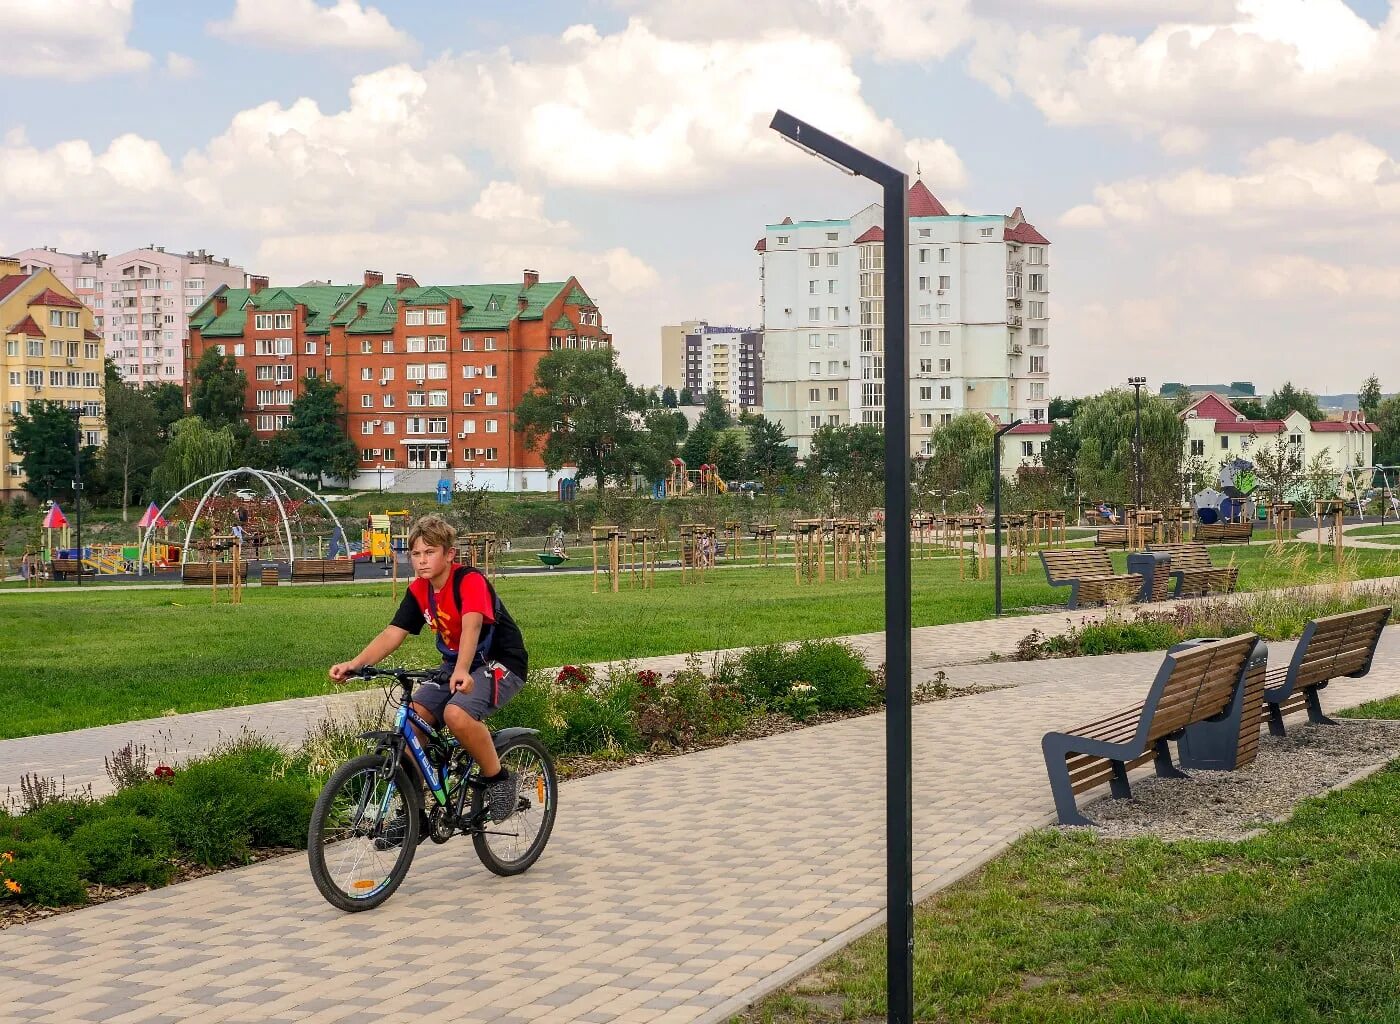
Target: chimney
(403, 281)
(220, 305)
(532, 278)
(256, 283)
(522, 303)
(373, 278)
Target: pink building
(141, 301)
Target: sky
(1220, 179)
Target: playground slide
(723, 487)
(107, 565)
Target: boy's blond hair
(434, 531)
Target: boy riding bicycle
(467, 616)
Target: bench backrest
(1224, 531)
(1336, 645)
(1194, 685)
(1075, 563)
(1185, 556)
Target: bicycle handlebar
(403, 675)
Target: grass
(1295, 925)
(72, 659)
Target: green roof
(339, 304)
(563, 324)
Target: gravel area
(1235, 805)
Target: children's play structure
(682, 481)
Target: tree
(194, 451)
(1369, 397)
(168, 402)
(1060, 453)
(1387, 439)
(770, 456)
(851, 459)
(729, 456)
(1064, 408)
(1251, 410)
(700, 445)
(657, 445)
(1104, 467)
(133, 436)
(1321, 479)
(716, 414)
(315, 444)
(961, 459)
(686, 398)
(1279, 469)
(1289, 399)
(44, 439)
(578, 410)
(668, 397)
(219, 391)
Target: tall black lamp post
(1137, 384)
(899, 800)
(78, 486)
(996, 505)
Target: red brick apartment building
(430, 375)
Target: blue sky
(1213, 216)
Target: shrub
(147, 800)
(123, 848)
(128, 766)
(59, 819)
(47, 872)
(533, 708)
(837, 672)
(763, 675)
(210, 810)
(800, 701)
(728, 709)
(596, 719)
(281, 813)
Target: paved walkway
(674, 891)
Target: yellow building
(51, 352)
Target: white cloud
(307, 25)
(75, 40)
(177, 65)
(1286, 179)
(637, 110)
(1275, 62)
(1287, 276)
(126, 180)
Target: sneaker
(503, 796)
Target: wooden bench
(198, 573)
(1332, 646)
(1195, 573)
(1224, 533)
(63, 568)
(1111, 537)
(1194, 685)
(322, 570)
(1088, 572)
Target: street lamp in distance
(1137, 384)
(996, 505)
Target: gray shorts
(492, 686)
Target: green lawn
(1296, 925)
(71, 658)
(1386, 534)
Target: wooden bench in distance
(1223, 533)
(1111, 537)
(1191, 686)
(322, 570)
(63, 568)
(198, 573)
(1330, 647)
(1195, 573)
(1089, 574)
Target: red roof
(10, 282)
(762, 245)
(49, 297)
(28, 327)
(1343, 427)
(874, 233)
(787, 220)
(1032, 428)
(1212, 407)
(1025, 232)
(922, 202)
(91, 335)
(1251, 427)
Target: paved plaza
(679, 890)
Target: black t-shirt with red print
(466, 591)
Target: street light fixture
(996, 505)
(1137, 384)
(899, 800)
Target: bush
(835, 671)
(210, 811)
(123, 848)
(596, 719)
(763, 675)
(48, 873)
(59, 819)
(147, 800)
(533, 708)
(281, 814)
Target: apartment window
(468, 398)
(814, 369)
(833, 340)
(814, 341)
(284, 371)
(437, 343)
(366, 401)
(417, 399)
(924, 283)
(814, 312)
(926, 419)
(833, 366)
(437, 398)
(945, 418)
(946, 392)
(310, 349)
(488, 345)
(925, 365)
(55, 378)
(1295, 439)
(366, 373)
(1036, 310)
(490, 454)
(367, 427)
(831, 236)
(944, 255)
(263, 373)
(814, 259)
(387, 401)
(15, 377)
(1036, 282)
(469, 426)
(925, 311)
(416, 371)
(833, 420)
(467, 344)
(1027, 449)
(34, 378)
(389, 426)
(388, 347)
(272, 321)
(490, 369)
(1224, 440)
(923, 255)
(1037, 364)
(492, 398)
(1037, 335)
(814, 421)
(945, 310)
(437, 317)
(925, 337)
(1198, 448)
(831, 286)
(1035, 255)
(413, 318)
(71, 319)
(437, 425)
(492, 426)
(55, 318)
(833, 394)
(926, 394)
(985, 232)
(814, 394)
(925, 233)
(437, 371)
(56, 348)
(945, 366)
(812, 286)
(945, 282)
(415, 344)
(833, 259)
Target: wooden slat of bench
(1104, 771)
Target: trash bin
(1155, 569)
(1216, 745)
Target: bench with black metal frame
(1331, 647)
(1194, 572)
(1223, 533)
(1089, 574)
(322, 570)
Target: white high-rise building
(978, 319)
(141, 301)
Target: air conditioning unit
(72, 361)
(942, 291)
(38, 387)
(383, 381)
(261, 407)
(462, 435)
(476, 391)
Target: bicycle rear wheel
(511, 846)
(364, 832)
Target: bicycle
(369, 818)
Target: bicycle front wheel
(511, 846)
(364, 832)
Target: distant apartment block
(978, 316)
(1240, 392)
(141, 301)
(700, 358)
